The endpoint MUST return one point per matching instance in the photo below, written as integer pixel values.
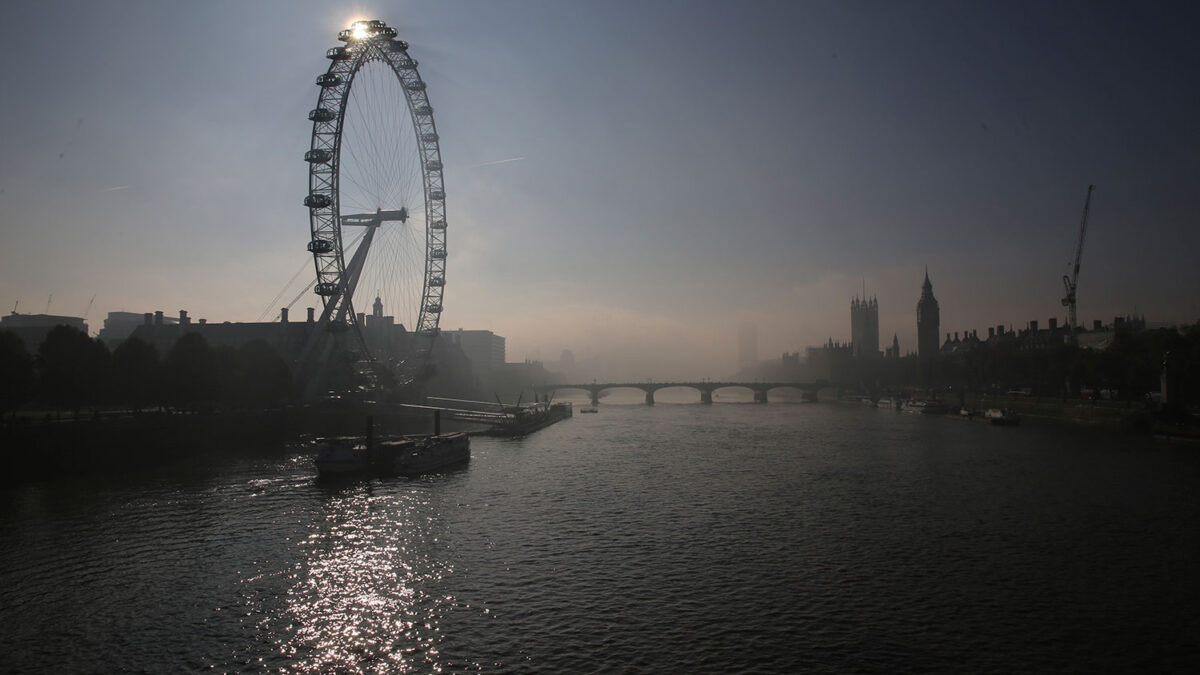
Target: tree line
(71, 371)
(1129, 369)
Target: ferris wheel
(376, 197)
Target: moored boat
(420, 455)
(919, 407)
(1002, 417)
(530, 418)
(396, 455)
(342, 455)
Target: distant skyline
(630, 181)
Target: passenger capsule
(345, 34)
(337, 54)
(423, 110)
(320, 246)
(433, 307)
(430, 137)
(437, 281)
(388, 32)
(318, 156)
(433, 165)
(326, 288)
(438, 225)
(399, 45)
(437, 195)
(406, 64)
(416, 86)
(438, 254)
(317, 201)
(321, 115)
(329, 80)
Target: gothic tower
(864, 327)
(927, 320)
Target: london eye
(377, 205)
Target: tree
(190, 373)
(136, 373)
(261, 378)
(16, 373)
(74, 368)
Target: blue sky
(687, 166)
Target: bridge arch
(699, 392)
(792, 392)
(760, 390)
(735, 386)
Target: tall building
(864, 327)
(927, 321)
(484, 348)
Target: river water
(673, 538)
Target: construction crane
(1070, 281)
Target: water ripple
(670, 539)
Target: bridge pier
(760, 395)
(595, 397)
(649, 398)
(706, 397)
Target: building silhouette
(928, 342)
(864, 327)
(485, 349)
(33, 328)
(893, 352)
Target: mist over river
(674, 538)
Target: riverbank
(1119, 415)
(33, 448)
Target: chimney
(1000, 330)
(310, 315)
(283, 315)
(149, 318)
(991, 332)
(183, 318)
(158, 318)
(956, 336)
(1053, 324)
(203, 321)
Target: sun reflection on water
(364, 595)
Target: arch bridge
(706, 388)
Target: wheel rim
(377, 195)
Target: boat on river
(1002, 417)
(414, 456)
(397, 456)
(342, 455)
(530, 418)
(919, 407)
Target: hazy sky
(687, 166)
